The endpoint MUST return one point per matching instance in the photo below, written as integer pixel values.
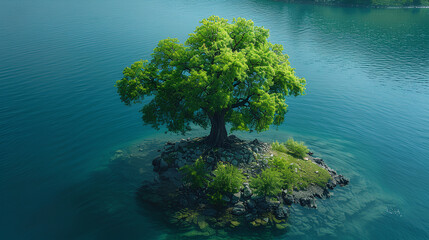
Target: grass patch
(306, 173)
(279, 147)
(298, 149)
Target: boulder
(250, 204)
(288, 199)
(282, 212)
(341, 180)
(273, 204)
(331, 184)
(238, 209)
(235, 198)
(308, 202)
(247, 192)
(250, 217)
(262, 206)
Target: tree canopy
(224, 73)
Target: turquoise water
(366, 113)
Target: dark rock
(257, 198)
(247, 192)
(250, 217)
(308, 202)
(250, 204)
(273, 204)
(288, 199)
(341, 180)
(330, 170)
(282, 212)
(235, 197)
(256, 142)
(262, 206)
(331, 184)
(238, 209)
(319, 161)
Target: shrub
(279, 147)
(268, 183)
(288, 177)
(196, 174)
(297, 149)
(226, 179)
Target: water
(366, 113)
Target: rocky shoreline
(188, 206)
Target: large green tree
(224, 73)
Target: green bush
(279, 147)
(268, 183)
(196, 174)
(298, 149)
(288, 177)
(226, 179)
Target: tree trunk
(218, 132)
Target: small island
(243, 184)
(226, 74)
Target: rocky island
(243, 184)
(226, 73)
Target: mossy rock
(281, 226)
(272, 218)
(203, 224)
(259, 222)
(235, 224)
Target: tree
(224, 73)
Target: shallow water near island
(366, 113)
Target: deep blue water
(366, 113)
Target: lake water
(366, 113)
